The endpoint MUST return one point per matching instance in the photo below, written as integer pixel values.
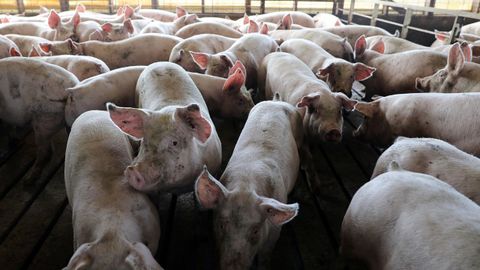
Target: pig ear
(368, 109)
(81, 260)
(107, 27)
(33, 52)
(128, 11)
(246, 19)
(278, 213)
(287, 21)
(238, 65)
(308, 101)
(441, 36)
(360, 46)
(209, 191)
(180, 11)
(80, 8)
(53, 19)
(46, 47)
(456, 60)
(338, 22)
(191, 116)
(96, 35)
(73, 45)
(129, 120)
(14, 52)
(363, 72)
(234, 82)
(75, 19)
(191, 18)
(140, 257)
(127, 24)
(226, 60)
(347, 103)
(264, 29)
(378, 46)
(323, 73)
(120, 10)
(467, 51)
(201, 59)
(252, 27)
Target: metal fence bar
(350, 12)
(373, 20)
(406, 23)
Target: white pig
(249, 201)
(326, 20)
(34, 92)
(207, 28)
(406, 220)
(170, 28)
(55, 30)
(249, 50)
(174, 126)
(338, 73)
(457, 76)
(353, 32)
(25, 44)
(83, 67)
(298, 17)
(207, 43)
(115, 31)
(85, 30)
(286, 75)
(137, 50)
(446, 117)
(436, 158)
(114, 226)
(8, 48)
(394, 44)
(333, 44)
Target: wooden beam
(248, 7)
(432, 5)
(338, 4)
(155, 4)
(262, 6)
(295, 5)
(20, 6)
(64, 5)
(203, 6)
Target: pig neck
(369, 56)
(471, 72)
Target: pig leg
(44, 127)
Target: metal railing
(409, 9)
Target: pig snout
(422, 84)
(333, 135)
(234, 261)
(135, 178)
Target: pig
(56, 30)
(421, 115)
(436, 158)
(394, 44)
(170, 28)
(338, 73)
(161, 15)
(353, 32)
(407, 220)
(333, 44)
(249, 201)
(391, 79)
(298, 17)
(115, 31)
(25, 44)
(326, 20)
(286, 23)
(249, 50)
(177, 136)
(133, 51)
(472, 28)
(34, 52)
(298, 86)
(441, 38)
(33, 92)
(8, 48)
(207, 28)
(85, 30)
(83, 67)
(457, 76)
(114, 226)
(207, 43)
(226, 98)
(226, 22)
(117, 86)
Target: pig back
(164, 84)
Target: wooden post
(155, 4)
(295, 5)
(262, 6)
(248, 7)
(64, 5)
(406, 23)
(475, 6)
(339, 4)
(20, 6)
(203, 6)
(432, 4)
(110, 7)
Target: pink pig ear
(180, 11)
(234, 82)
(441, 36)
(107, 27)
(252, 27)
(192, 117)
(201, 59)
(467, 51)
(237, 65)
(120, 10)
(246, 19)
(80, 7)
(287, 21)
(14, 52)
(46, 47)
(128, 11)
(455, 60)
(127, 24)
(363, 72)
(129, 120)
(264, 29)
(378, 46)
(209, 191)
(360, 46)
(347, 103)
(75, 19)
(338, 22)
(307, 101)
(278, 213)
(53, 19)
(33, 52)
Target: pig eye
(174, 143)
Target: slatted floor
(35, 218)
